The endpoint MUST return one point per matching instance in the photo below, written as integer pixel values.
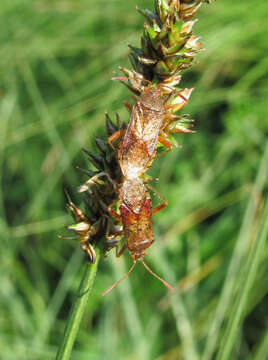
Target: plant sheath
(78, 309)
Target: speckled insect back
(140, 139)
(150, 124)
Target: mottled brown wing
(140, 140)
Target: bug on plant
(136, 152)
(150, 123)
(139, 140)
(136, 216)
(168, 46)
(148, 126)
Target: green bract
(168, 45)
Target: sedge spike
(168, 47)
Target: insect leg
(115, 243)
(111, 242)
(114, 137)
(148, 178)
(165, 143)
(128, 106)
(112, 212)
(117, 282)
(121, 251)
(111, 236)
(112, 231)
(161, 206)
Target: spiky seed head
(168, 45)
(99, 192)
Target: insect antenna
(117, 282)
(156, 276)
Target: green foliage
(56, 59)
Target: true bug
(150, 123)
(136, 216)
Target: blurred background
(56, 61)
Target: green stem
(78, 309)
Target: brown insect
(136, 152)
(136, 215)
(150, 123)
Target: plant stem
(78, 309)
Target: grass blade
(246, 282)
(261, 350)
(179, 311)
(238, 254)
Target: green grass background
(56, 61)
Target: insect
(150, 123)
(136, 152)
(136, 215)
